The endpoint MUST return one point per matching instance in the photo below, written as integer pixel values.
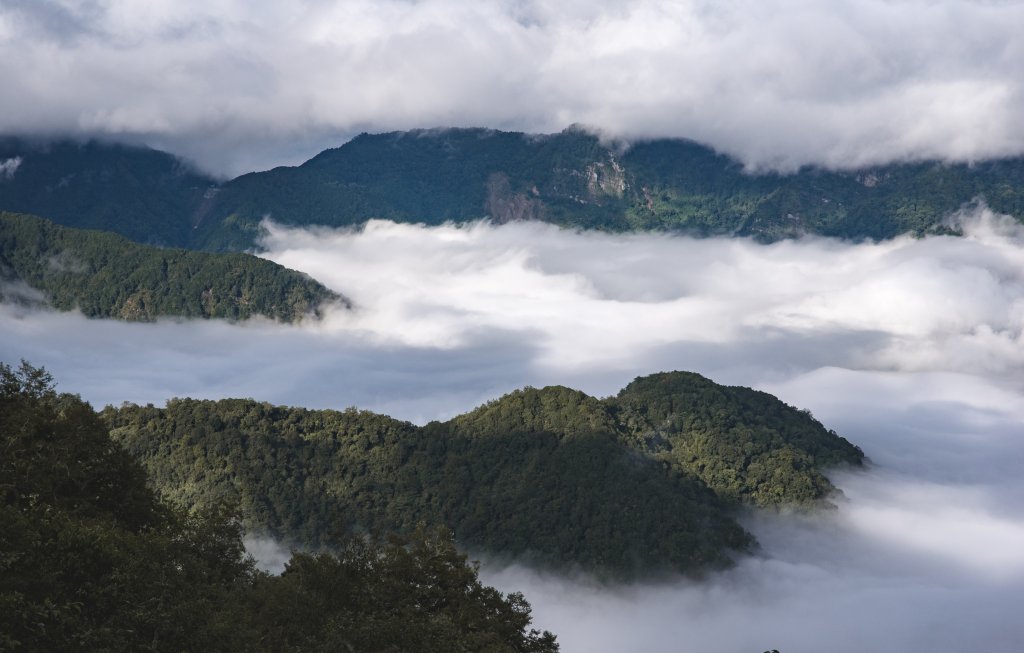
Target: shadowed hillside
(623, 486)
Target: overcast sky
(238, 85)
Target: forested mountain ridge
(431, 176)
(748, 446)
(143, 194)
(91, 560)
(549, 475)
(105, 275)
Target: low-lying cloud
(8, 167)
(924, 553)
(777, 83)
(911, 348)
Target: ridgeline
(107, 276)
(633, 485)
(431, 176)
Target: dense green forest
(105, 275)
(140, 193)
(748, 446)
(635, 484)
(570, 179)
(91, 560)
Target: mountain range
(571, 178)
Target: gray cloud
(911, 348)
(778, 83)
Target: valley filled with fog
(910, 348)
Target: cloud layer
(912, 348)
(778, 83)
(925, 552)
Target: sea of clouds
(911, 348)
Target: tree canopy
(571, 178)
(104, 275)
(91, 559)
(629, 485)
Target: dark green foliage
(315, 477)
(545, 473)
(145, 195)
(104, 275)
(90, 561)
(429, 177)
(551, 475)
(570, 179)
(406, 594)
(746, 445)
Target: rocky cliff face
(505, 205)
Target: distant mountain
(642, 482)
(140, 193)
(104, 275)
(430, 176)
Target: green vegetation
(104, 275)
(628, 485)
(90, 560)
(748, 446)
(570, 178)
(140, 193)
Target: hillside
(748, 446)
(104, 275)
(90, 560)
(140, 193)
(552, 475)
(569, 178)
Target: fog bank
(911, 348)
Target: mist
(925, 551)
(910, 348)
(238, 86)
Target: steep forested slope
(573, 179)
(430, 176)
(140, 193)
(552, 475)
(748, 446)
(90, 560)
(104, 275)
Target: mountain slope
(430, 176)
(140, 193)
(748, 446)
(90, 560)
(551, 475)
(104, 275)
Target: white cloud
(777, 83)
(9, 166)
(911, 348)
